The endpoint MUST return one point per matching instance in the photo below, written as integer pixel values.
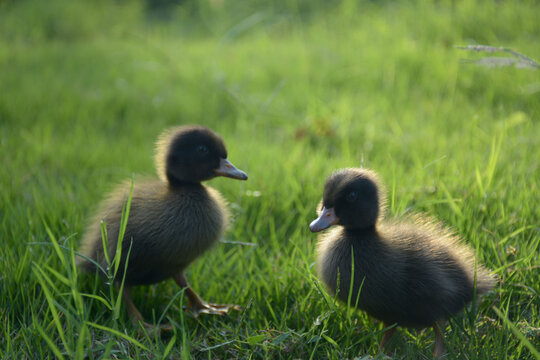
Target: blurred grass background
(297, 89)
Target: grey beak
(227, 169)
(326, 219)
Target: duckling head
(352, 198)
(191, 154)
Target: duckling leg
(135, 314)
(387, 335)
(132, 310)
(438, 350)
(197, 304)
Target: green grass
(297, 89)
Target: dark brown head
(352, 198)
(191, 154)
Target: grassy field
(297, 89)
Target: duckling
(411, 274)
(172, 221)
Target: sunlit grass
(297, 90)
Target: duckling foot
(199, 306)
(202, 307)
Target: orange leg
(132, 310)
(197, 304)
(135, 314)
(386, 336)
(438, 349)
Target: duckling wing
(362, 270)
(437, 273)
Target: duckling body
(402, 274)
(167, 229)
(413, 273)
(171, 222)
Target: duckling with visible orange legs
(412, 274)
(171, 222)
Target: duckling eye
(351, 197)
(202, 149)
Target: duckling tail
(485, 281)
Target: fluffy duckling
(413, 274)
(171, 222)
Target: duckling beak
(227, 169)
(326, 219)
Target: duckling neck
(369, 230)
(175, 183)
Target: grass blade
(518, 333)
(55, 244)
(493, 159)
(121, 233)
(79, 349)
(451, 201)
(119, 334)
(49, 342)
(40, 275)
(169, 347)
